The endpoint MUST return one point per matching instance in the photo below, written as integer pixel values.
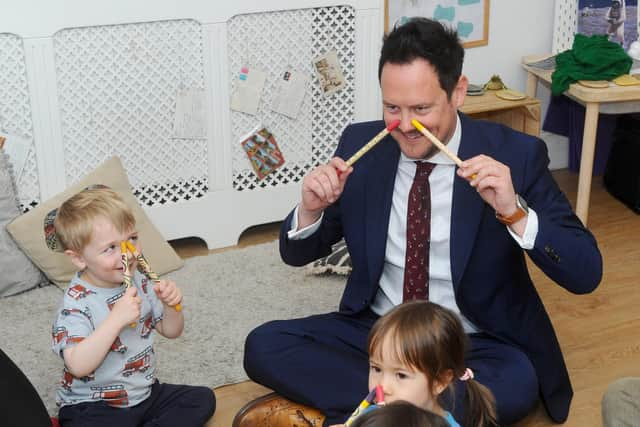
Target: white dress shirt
(441, 186)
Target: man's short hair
(429, 40)
(76, 216)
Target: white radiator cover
(86, 81)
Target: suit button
(552, 253)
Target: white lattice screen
(15, 112)
(271, 42)
(98, 81)
(564, 24)
(117, 89)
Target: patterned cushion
(337, 262)
(27, 229)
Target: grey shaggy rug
(226, 295)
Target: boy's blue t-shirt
(125, 376)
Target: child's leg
(179, 405)
(99, 414)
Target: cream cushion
(28, 229)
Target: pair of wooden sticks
(143, 266)
(369, 145)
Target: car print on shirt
(114, 395)
(78, 292)
(138, 363)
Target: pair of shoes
(273, 410)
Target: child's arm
(85, 357)
(172, 322)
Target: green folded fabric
(590, 58)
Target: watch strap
(520, 213)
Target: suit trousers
(322, 361)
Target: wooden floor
(599, 333)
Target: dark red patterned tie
(416, 267)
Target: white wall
(509, 40)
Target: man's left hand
(493, 182)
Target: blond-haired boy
(103, 329)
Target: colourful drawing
(263, 152)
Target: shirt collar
(440, 157)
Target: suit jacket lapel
(379, 193)
(468, 206)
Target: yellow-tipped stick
(146, 268)
(436, 142)
(416, 124)
(125, 270)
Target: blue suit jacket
(490, 278)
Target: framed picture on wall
(617, 19)
(469, 17)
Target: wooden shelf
(522, 115)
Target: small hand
(168, 292)
(127, 309)
(492, 181)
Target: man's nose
(405, 123)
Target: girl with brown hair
(416, 351)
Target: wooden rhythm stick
(126, 273)
(439, 144)
(369, 145)
(436, 142)
(145, 268)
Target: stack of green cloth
(590, 58)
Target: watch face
(522, 203)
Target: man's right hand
(321, 188)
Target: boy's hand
(168, 292)
(127, 308)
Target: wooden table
(614, 99)
(522, 115)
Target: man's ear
(460, 91)
(76, 258)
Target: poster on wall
(329, 72)
(618, 19)
(263, 152)
(470, 18)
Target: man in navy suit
(500, 204)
